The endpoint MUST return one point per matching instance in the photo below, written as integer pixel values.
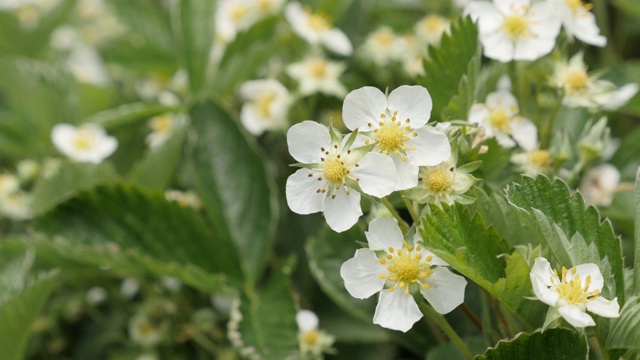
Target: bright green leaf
(551, 344)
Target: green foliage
(196, 31)
(625, 330)
(636, 259)
(69, 179)
(550, 344)
(146, 222)
(21, 301)
(128, 114)
(552, 203)
(264, 323)
(455, 62)
(234, 187)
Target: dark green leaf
(234, 186)
(551, 344)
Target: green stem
(412, 210)
(636, 260)
(601, 11)
(403, 225)
(444, 325)
(545, 133)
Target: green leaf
(459, 105)
(143, 221)
(234, 186)
(156, 168)
(544, 198)
(449, 351)
(625, 330)
(264, 323)
(19, 312)
(477, 252)
(128, 114)
(197, 32)
(69, 179)
(551, 344)
(455, 62)
(148, 21)
(636, 260)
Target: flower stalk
(439, 319)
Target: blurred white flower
(444, 183)
(96, 295)
(162, 127)
(266, 107)
(29, 12)
(397, 127)
(430, 29)
(147, 357)
(412, 55)
(86, 65)
(515, 29)
(317, 29)
(129, 287)
(316, 74)
(333, 174)
(578, 21)
(382, 47)
(499, 118)
(533, 160)
(171, 283)
(86, 143)
(16, 206)
(268, 7)
(570, 297)
(9, 184)
(599, 183)
(184, 198)
(27, 170)
(396, 269)
(145, 331)
(312, 341)
(232, 17)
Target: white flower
(317, 29)
(396, 269)
(430, 29)
(86, 143)
(396, 126)
(412, 55)
(234, 16)
(16, 206)
(578, 291)
(86, 65)
(444, 183)
(129, 287)
(499, 118)
(184, 198)
(533, 160)
(599, 184)
(9, 184)
(316, 74)
(96, 295)
(514, 29)
(162, 127)
(266, 107)
(333, 174)
(578, 21)
(382, 47)
(312, 341)
(145, 331)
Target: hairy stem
(403, 225)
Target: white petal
(525, 133)
(505, 140)
(363, 106)
(411, 102)
(377, 174)
(533, 48)
(384, 233)
(435, 260)
(336, 41)
(575, 316)
(431, 147)
(302, 195)
(618, 98)
(446, 290)
(361, 274)
(545, 23)
(591, 270)
(541, 275)
(586, 29)
(478, 114)
(342, 211)
(251, 121)
(307, 320)
(407, 173)
(305, 141)
(396, 311)
(503, 100)
(511, 6)
(603, 307)
(485, 14)
(497, 46)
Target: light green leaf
(155, 169)
(128, 114)
(70, 179)
(196, 33)
(264, 323)
(625, 330)
(19, 312)
(143, 221)
(234, 186)
(455, 62)
(148, 21)
(636, 259)
(551, 344)
(554, 200)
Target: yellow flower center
(540, 158)
(83, 140)
(577, 81)
(319, 68)
(499, 120)
(406, 266)
(432, 24)
(238, 12)
(572, 291)
(263, 104)
(383, 37)
(318, 22)
(515, 26)
(574, 5)
(310, 338)
(438, 180)
(146, 328)
(334, 170)
(161, 124)
(265, 5)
